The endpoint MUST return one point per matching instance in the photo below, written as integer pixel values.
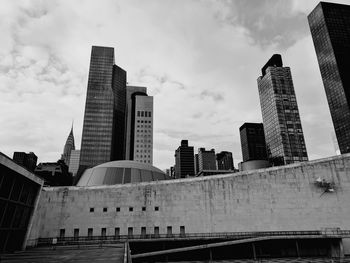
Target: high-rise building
(103, 137)
(74, 162)
(206, 159)
(196, 164)
(139, 125)
(27, 160)
(184, 160)
(253, 141)
(68, 147)
(329, 24)
(224, 161)
(282, 127)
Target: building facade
(74, 162)
(104, 117)
(184, 160)
(224, 161)
(329, 25)
(27, 160)
(19, 194)
(68, 148)
(206, 159)
(139, 125)
(253, 141)
(284, 136)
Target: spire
(68, 147)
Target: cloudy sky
(199, 59)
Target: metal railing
(85, 240)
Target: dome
(121, 172)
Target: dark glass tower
(330, 30)
(282, 127)
(104, 118)
(224, 160)
(184, 160)
(253, 141)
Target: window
(117, 209)
(169, 231)
(138, 113)
(156, 231)
(142, 113)
(117, 231)
(143, 231)
(62, 233)
(131, 209)
(182, 231)
(90, 231)
(156, 208)
(76, 233)
(103, 232)
(105, 209)
(92, 209)
(149, 114)
(143, 208)
(130, 231)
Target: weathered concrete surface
(280, 198)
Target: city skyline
(201, 70)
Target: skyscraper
(68, 147)
(282, 127)
(74, 162)
(184, 160)
(139, 125)
(329, 24)
(253, 141)
(224, 161)
(27, 160)
(104, 118)
(206, 159)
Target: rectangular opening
(117, 209)
(169, 231)
(90, 231)
(143, 208)
(143, 232)
(156, 231)
(92, 209)
(182, 231)
(117, 232)
(76, 233)
(62, 233)
(103, 232)
(131, 209)
(105, 209)
(130, 232)
(156, 208)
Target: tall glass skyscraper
(104, 118)
(282, 127)
(330, 30)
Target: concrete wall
(278, 198)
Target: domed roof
(121, 172)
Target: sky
(200, 60)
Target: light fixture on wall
(328, 187)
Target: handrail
(221, 235)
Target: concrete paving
(106, 254)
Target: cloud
(199, 59)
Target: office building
(26, 160)
(206, 159)
(103, 137)
(253, 141)
(224, 161)
(68, 147)
(282, 127)
(196, 164)
(74, 162)
(329, 25)
(184, 160)
(139, 125)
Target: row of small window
(142, 121)
(149, 151)
(143, 146)
(144, 113)
(169, 231)
(117, 209)
(142, 161)
(144, 131)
